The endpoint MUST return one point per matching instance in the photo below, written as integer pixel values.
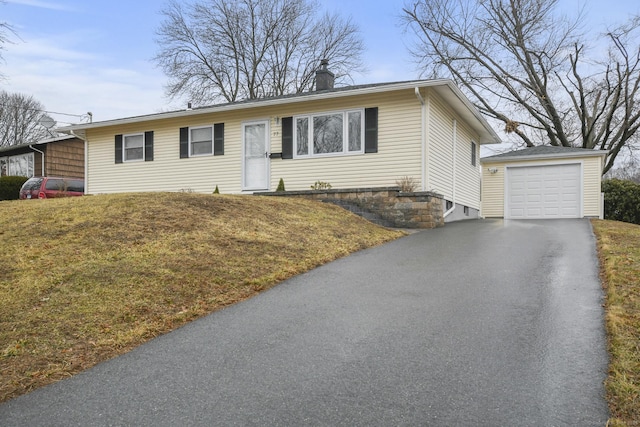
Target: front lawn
(619, 250)
(85, 279)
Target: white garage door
(543, 192)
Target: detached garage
(542, 182)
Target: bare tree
(19, 119)
(248, 49)
(5, 31)
(525, 65)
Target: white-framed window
(201, 141)
(133, 147)
(329, 134)
(20, 165)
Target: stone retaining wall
(392, 207)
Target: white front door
(256, 157)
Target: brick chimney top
(324, 78)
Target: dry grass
(619, 249)
(85, 279)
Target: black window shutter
(287, 137)
(118, 148)
(218, 139)
(371, 130)
(148, 146)
(184, 143)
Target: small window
(466, 210)
(448, 205)
(201, 141)
(20, 165)
(133, 147)
(474, 148)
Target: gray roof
(543, 152)
(443, 87)
(40, 142)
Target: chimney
(324, 77)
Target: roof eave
(573, 154)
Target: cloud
(68, 79)
(41, 4)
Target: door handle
(266, 154)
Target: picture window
(326, 134)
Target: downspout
(423, 137)
(453, 167)
(41, 152)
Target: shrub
(321, 185)
(407, 184)
(621, 200)
(216, 191)
(280, 185)
(10, 187)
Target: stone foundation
(387, 206)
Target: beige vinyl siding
(467, 175)
(592, 176)
(399, 147)
(493, 185)
(441, 155)
(167, 172)
(440, 148)
(399, 151)
(492, 191)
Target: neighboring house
(543, 182)
(352, 137)
(59, 156)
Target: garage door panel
(552, 211)
(551, 191)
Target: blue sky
(76, 56)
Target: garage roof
(544, 152)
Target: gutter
(41, 152)
(453, 167)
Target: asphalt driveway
(477, 323)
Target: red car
(48, 187)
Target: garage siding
(493, 184)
